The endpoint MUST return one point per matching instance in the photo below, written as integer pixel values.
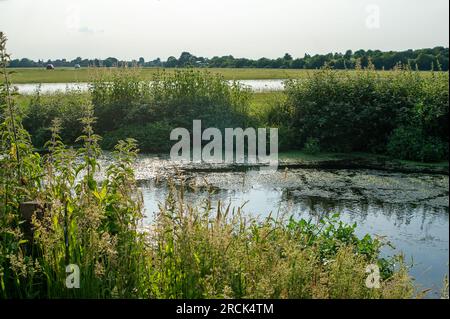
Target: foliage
(424, 59)
(151, 137)
(410, 143)
(19, 182)
(42, 109)
(364, 111)
(126, 106)
(177, 98)
(312, 146)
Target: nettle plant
(81, 221)
(19, 181)
(98, 221)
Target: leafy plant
(312, 146)
(411, 143)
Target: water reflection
(30, 88)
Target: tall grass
(127, 106)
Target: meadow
(71, 75)
(67, 75)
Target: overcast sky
(244, 28)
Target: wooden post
(27, 210)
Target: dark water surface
(30, 88)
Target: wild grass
(222, 253)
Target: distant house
(50, 67)
(77, 66)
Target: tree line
(422, 59)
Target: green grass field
(66, 75)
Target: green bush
(177, 98)
(312, 146)
(411, 143)
(360, 110)
(152, 137)
(125, 106)
(43, 109)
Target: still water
(254, 85)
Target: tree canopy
(423, 59)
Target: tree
(423, 58)
(171, 62)
(287, 57)
(425, 62)
(298, 64)
(186, 59)
(348, 54)
(109, 62)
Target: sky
(50, 29)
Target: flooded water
(411, 211)
(254, 85)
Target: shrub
(151, 137)
(177, 98)
(360, 110)
(411, 143)
(312, 146)
(125, 106)
(44, 108)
